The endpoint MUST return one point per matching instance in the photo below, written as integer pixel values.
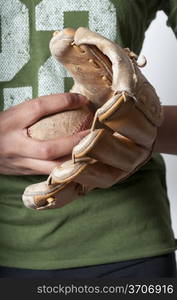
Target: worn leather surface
(61, 124)
(124, 129)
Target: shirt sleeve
(135, 17)
(170, 9)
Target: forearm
(167, 133)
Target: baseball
(61, 124)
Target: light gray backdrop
(160, 49)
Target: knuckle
(37, 106)
(69, 99)
(73, 100)
(7, 152)
(5, 148)
(6, 118)
(46, 152)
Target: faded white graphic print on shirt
(49, 16)
(102, 18)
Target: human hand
(22, 155)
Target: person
(123, 231)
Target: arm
(167, 134)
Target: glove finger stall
(111, 149)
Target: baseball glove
(124, 128)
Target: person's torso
(106, 221)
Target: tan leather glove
(124, 129)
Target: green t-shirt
(131, 219)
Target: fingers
(100, 175)
(112, 149)
(35, 157)
(44, 196)
(126, 119)
(27, 113)
(38, 196)
(46, 150)
(28, 166)
(48, 105)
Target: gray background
(160, 49)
